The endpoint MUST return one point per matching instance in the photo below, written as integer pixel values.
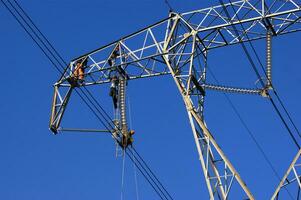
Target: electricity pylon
(179, 46)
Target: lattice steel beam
(141, 57)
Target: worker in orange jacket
(79, 72)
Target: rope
(122, 176)
(136, 180)
(130, 112)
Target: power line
(32, 37)
(35, 34)
(47, 41)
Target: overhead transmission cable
(31, 36)
(95, 112)
(256, 70)
(43, 36)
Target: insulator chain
(233, 90)
(269, 57)
(122, 86)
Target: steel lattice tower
(178, 46)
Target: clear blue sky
(38, 165)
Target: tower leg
(291, 177)
(219, 173)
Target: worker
(79, 72)
(123, 73)
(128, 139)
(113, 56)
(114, 90)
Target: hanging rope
(134, 160)
(122, 175)
(136, 180)
(129, 106)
